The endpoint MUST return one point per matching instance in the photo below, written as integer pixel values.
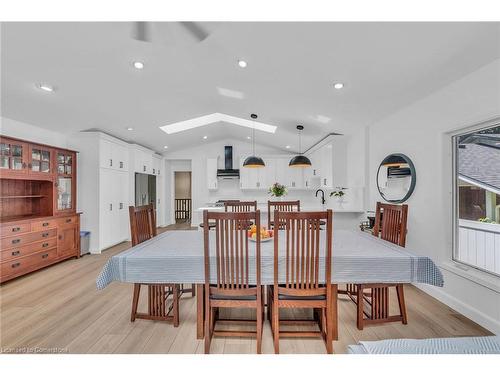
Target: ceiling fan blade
(142, 31)
(196, 30)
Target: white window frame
(480, 275)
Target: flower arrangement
(339, 193)
(277, 190)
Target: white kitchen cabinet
(252, 178)
(156, 165)
(105, 179)
(143, 161)
(113, 219)
(326, 169)
(212, 182)
(113, 155)
(311, 175)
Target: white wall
(420, 131)
(22, 130)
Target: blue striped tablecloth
(177, 257)
(451, 345)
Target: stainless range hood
(228, 172)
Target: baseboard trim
(470, 312)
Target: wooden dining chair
(390, 225)
(143, 228)
(299, 283)
(285, 206)
(241, 206)
(233, 281)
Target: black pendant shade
(254, 162)
(300, 161)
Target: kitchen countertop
(263, 208)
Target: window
(477, 199)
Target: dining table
(178, 257)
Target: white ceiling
(291, 69)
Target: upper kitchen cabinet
(143, 160)
(253, 178)
(156, 165)
(311, 175)
(113, 154)
(212, 182)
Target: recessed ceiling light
(287, 146)
(249, 137)
(338, 85)
(165, 147)
(242, 63)
(130, 129)
(138, 65)
(45, 87)
(205, 137)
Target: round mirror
(396, 178)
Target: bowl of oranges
(265, 234)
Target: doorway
(182, 196)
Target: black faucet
(322, 195)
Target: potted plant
(277, 190)
(339, 193)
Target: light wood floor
(59, 307)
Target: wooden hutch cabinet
(39, 225)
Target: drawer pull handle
(45, 244)
(15, 265)
(45, 234)
(16, 229)
(60, 237)
(17, 252)
(44, 256)
(17, 240)
(68, 220)
(45, 224)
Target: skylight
(230, 93)
(216, 117)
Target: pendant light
(253, 161)
(300, 161)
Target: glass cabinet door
(12, 156)
(64, 193)
(40, 160)
(65, 176)
(64, 163)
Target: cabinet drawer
(14, 229)
(43, 224)
(25, 239)
(21, 265)
(34, 247)
(67, 221)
